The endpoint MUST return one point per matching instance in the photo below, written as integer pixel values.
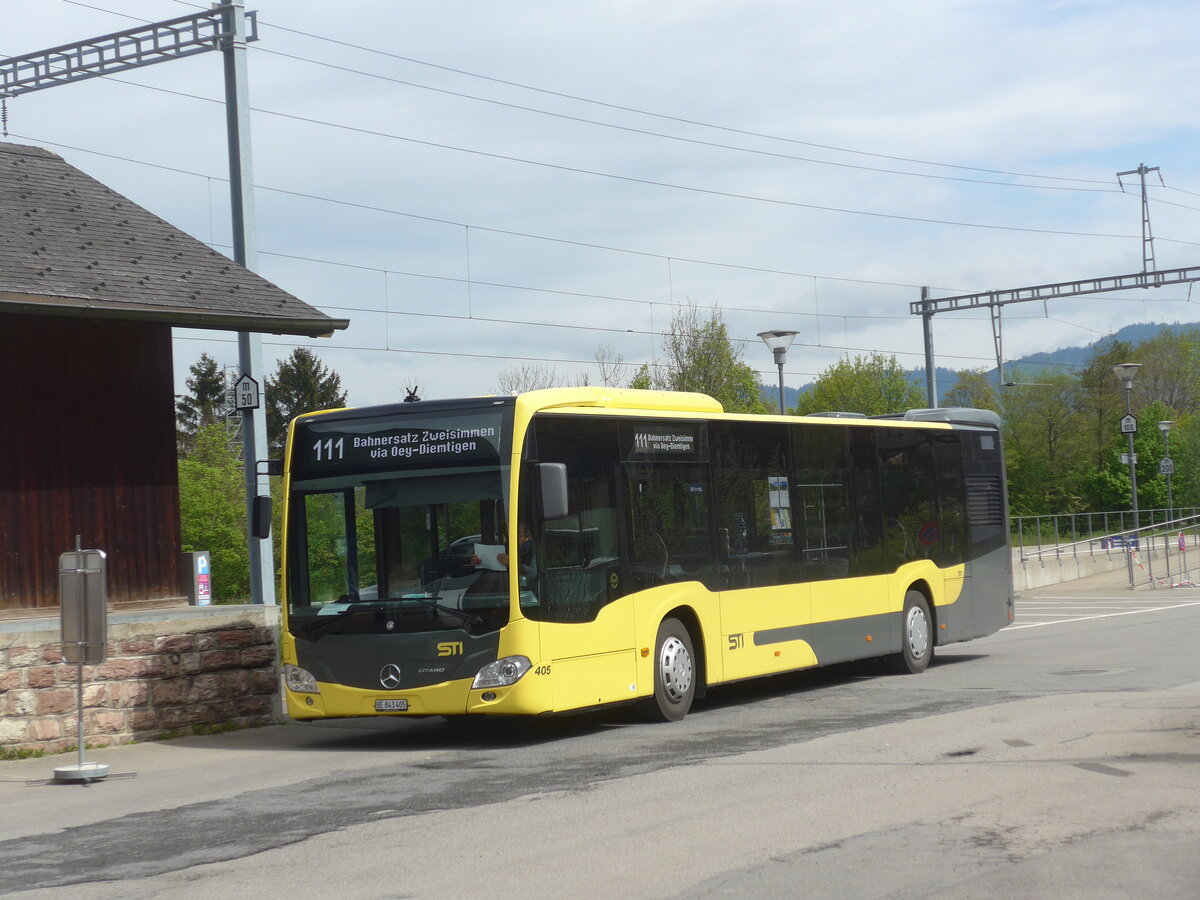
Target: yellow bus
(566, 549)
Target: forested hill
(1078, 356)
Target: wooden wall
(87, 447)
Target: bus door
(573, 588)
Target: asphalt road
(1057, 758)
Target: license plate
(391, 705)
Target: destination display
(466, 439)
(666, 439)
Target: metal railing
(1167, 536)
(1031, 534)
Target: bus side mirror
(554, 489)
(260, 517)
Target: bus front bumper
(529, 696)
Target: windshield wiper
(431, 602)
(316, 630)
(320, 626)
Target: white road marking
(1128, 612)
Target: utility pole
(931, 394)
(1148, 264)
(1149, 277)
(245, 253)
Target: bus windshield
(397, 525)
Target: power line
(491, 230)
(711, 192)
(662, 184)
(546, 359)
(387, 271)
(614, 106)
(667, 117)
(631, 179)
(672, 137)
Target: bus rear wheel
(916, 636)
(674, 673)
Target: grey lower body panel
(847, 639)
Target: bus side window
(670, 535)
(868, 557)
(909, 486)
(952, 498)
(754, 504)
(824, 515)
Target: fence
(1154, 554)
(1031, 534)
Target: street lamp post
(1125, 372)
(779, 341)
(1167, 465)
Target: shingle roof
(71, 246)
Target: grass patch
(7, 753)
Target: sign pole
(83, 595)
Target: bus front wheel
(916, 635)
(674, 673)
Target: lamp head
(1126, 371)
(1165, 427)
(779, 342)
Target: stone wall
(167, 670)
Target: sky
(483, 188)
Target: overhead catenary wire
(626, 178)
(367, 207)
(1102, 185)
(675, 137)
(821, 346)
(738, 196)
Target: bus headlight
(299, 680)
(502, 672)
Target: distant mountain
(1071, 357)
(1062, 359)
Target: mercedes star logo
(389, 676)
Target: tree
(700, 357)
(1110, 485)
(611, 365)
(1101, 401)
(1170, 372)
(874, 385)
(1047, 451)
(204, 403)
(301, 383)
(973, 390)
(212, 511)
(528, 377)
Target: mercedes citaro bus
(566, 549)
